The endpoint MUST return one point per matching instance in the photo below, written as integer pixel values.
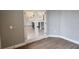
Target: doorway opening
(34, 24)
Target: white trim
(53, 35)
(15, 46)
(0, 41)
(39, 38)
(63, 37)
(26, 42)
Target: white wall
(53, 22)
(64, 23)
(70, 24)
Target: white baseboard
(53, 35)
(15, 46)
(26, 42)
(73, 41)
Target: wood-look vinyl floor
(51, 43)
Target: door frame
(45, 22)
